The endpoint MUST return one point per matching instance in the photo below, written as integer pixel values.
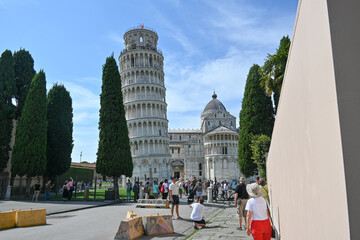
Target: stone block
(32, 217)
(158, 225)
(7, 219)
(129, 229)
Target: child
(197, 215)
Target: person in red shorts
(258, 214)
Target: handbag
(272, 224)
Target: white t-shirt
(259, 208)
(174, 187)
(197, 212)
(166, 187)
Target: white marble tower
(142, 79)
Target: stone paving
(222, 226)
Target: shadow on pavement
(208, 227)
(162, 236)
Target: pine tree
(113, 155)
(7, 91)
(59, 131)
(256, 117)
(29, 153)
(24, 73)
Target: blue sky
(207, 45)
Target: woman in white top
(258, 214)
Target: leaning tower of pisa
(142, 79)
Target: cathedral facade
(207, 153)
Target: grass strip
(192, 234)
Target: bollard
(209, 195)
(86, 193)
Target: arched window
(170, 137)
(141, 39)
(180, 137)
(200, 169)
(208, 123)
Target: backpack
(162, 188)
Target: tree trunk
(28, 185)
(116, 188)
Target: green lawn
(100, 195)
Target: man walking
(241, 198)
(48, 188)
(174, 197)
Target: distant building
(142, 81)
(209, 152)
(157, 154)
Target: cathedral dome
(214, 105)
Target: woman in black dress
(65, 191)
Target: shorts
(240, 209)
(198, 194)
(202, 221)
(176, 200)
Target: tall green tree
(7, 91)
(29, 152)
(113, 155)
(256, 117)
(260, 145)
(24, 73)
(273, 70)
(59, 131)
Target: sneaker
(239, 228)
(195, 227)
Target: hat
(253, 190)
(242, 179)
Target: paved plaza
(99, 220)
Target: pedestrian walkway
(51, 207)
(222, 226)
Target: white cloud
(115, 37)
(242, 23)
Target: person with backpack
(241, 198)
(147, 190)
(156, 190)
(165, 189)
(186, 188)
(128, 189)
(136, 191)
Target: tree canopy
(24, 73)
(273, 70)
(7, 91)
(29, 152)
(260, 145)
(59, 130)
(256, 117)
(113, 155)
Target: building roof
(222, 129)
(214, 104)
(87, 165)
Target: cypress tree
(113, 155)
(29, 153)
(24, 73)
(256, 117)
(59, 131)
(7, 90)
